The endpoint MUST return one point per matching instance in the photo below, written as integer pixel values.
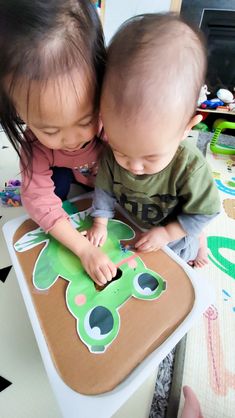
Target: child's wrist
(100, 221)
(174, 231)
(165, 234)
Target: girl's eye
(88, 122)
(118, 154)
(84, 125)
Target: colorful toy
(201, 126)
(211, 104)
(225, 95)
(203, 94)
(218, 148)
(10, 195)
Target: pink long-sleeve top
(37, 192)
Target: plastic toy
(10, 195)
(203, 95)
(217, 122)
(225, 95)
(218, 148)
(211, 104)
(201, 126)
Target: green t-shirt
(185, 186)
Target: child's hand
(97, 234)
(97, 264)
(153, 240)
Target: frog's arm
(30, 240)
(45, 272)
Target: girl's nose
(71, 140)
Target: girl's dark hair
(41, 38)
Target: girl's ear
(194, 121)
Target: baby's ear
(194, 121)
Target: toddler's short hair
(156, 63)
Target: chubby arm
(102, 210)
(97, 264)
(158, 236)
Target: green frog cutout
(96, 312)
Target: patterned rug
(208, 346)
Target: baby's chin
(142, 173)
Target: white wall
(117, 11)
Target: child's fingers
(97, 240)
(147, 247)
(94, 240)
(109, 270)
(98, 276)
(113, 269)
(144, 245)
(141, 242)
(102, 240)
(99, 283)
(104, 273)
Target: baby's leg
(202, 257)
(191, 407)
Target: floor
(24, 387)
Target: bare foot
(191, 407)
(202, 257)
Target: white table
(75, 405)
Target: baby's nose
(135, 165)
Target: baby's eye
(152, 158)
(51, 133)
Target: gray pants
(186, 248)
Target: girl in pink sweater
(51, 68)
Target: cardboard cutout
(125, 326)
(98, 320)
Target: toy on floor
(218, 148)
(10, 195)
(201, 126)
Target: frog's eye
(98, 322)
(145, 284)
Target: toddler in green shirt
(155, 69)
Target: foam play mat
(97, 336)
(209, 364)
